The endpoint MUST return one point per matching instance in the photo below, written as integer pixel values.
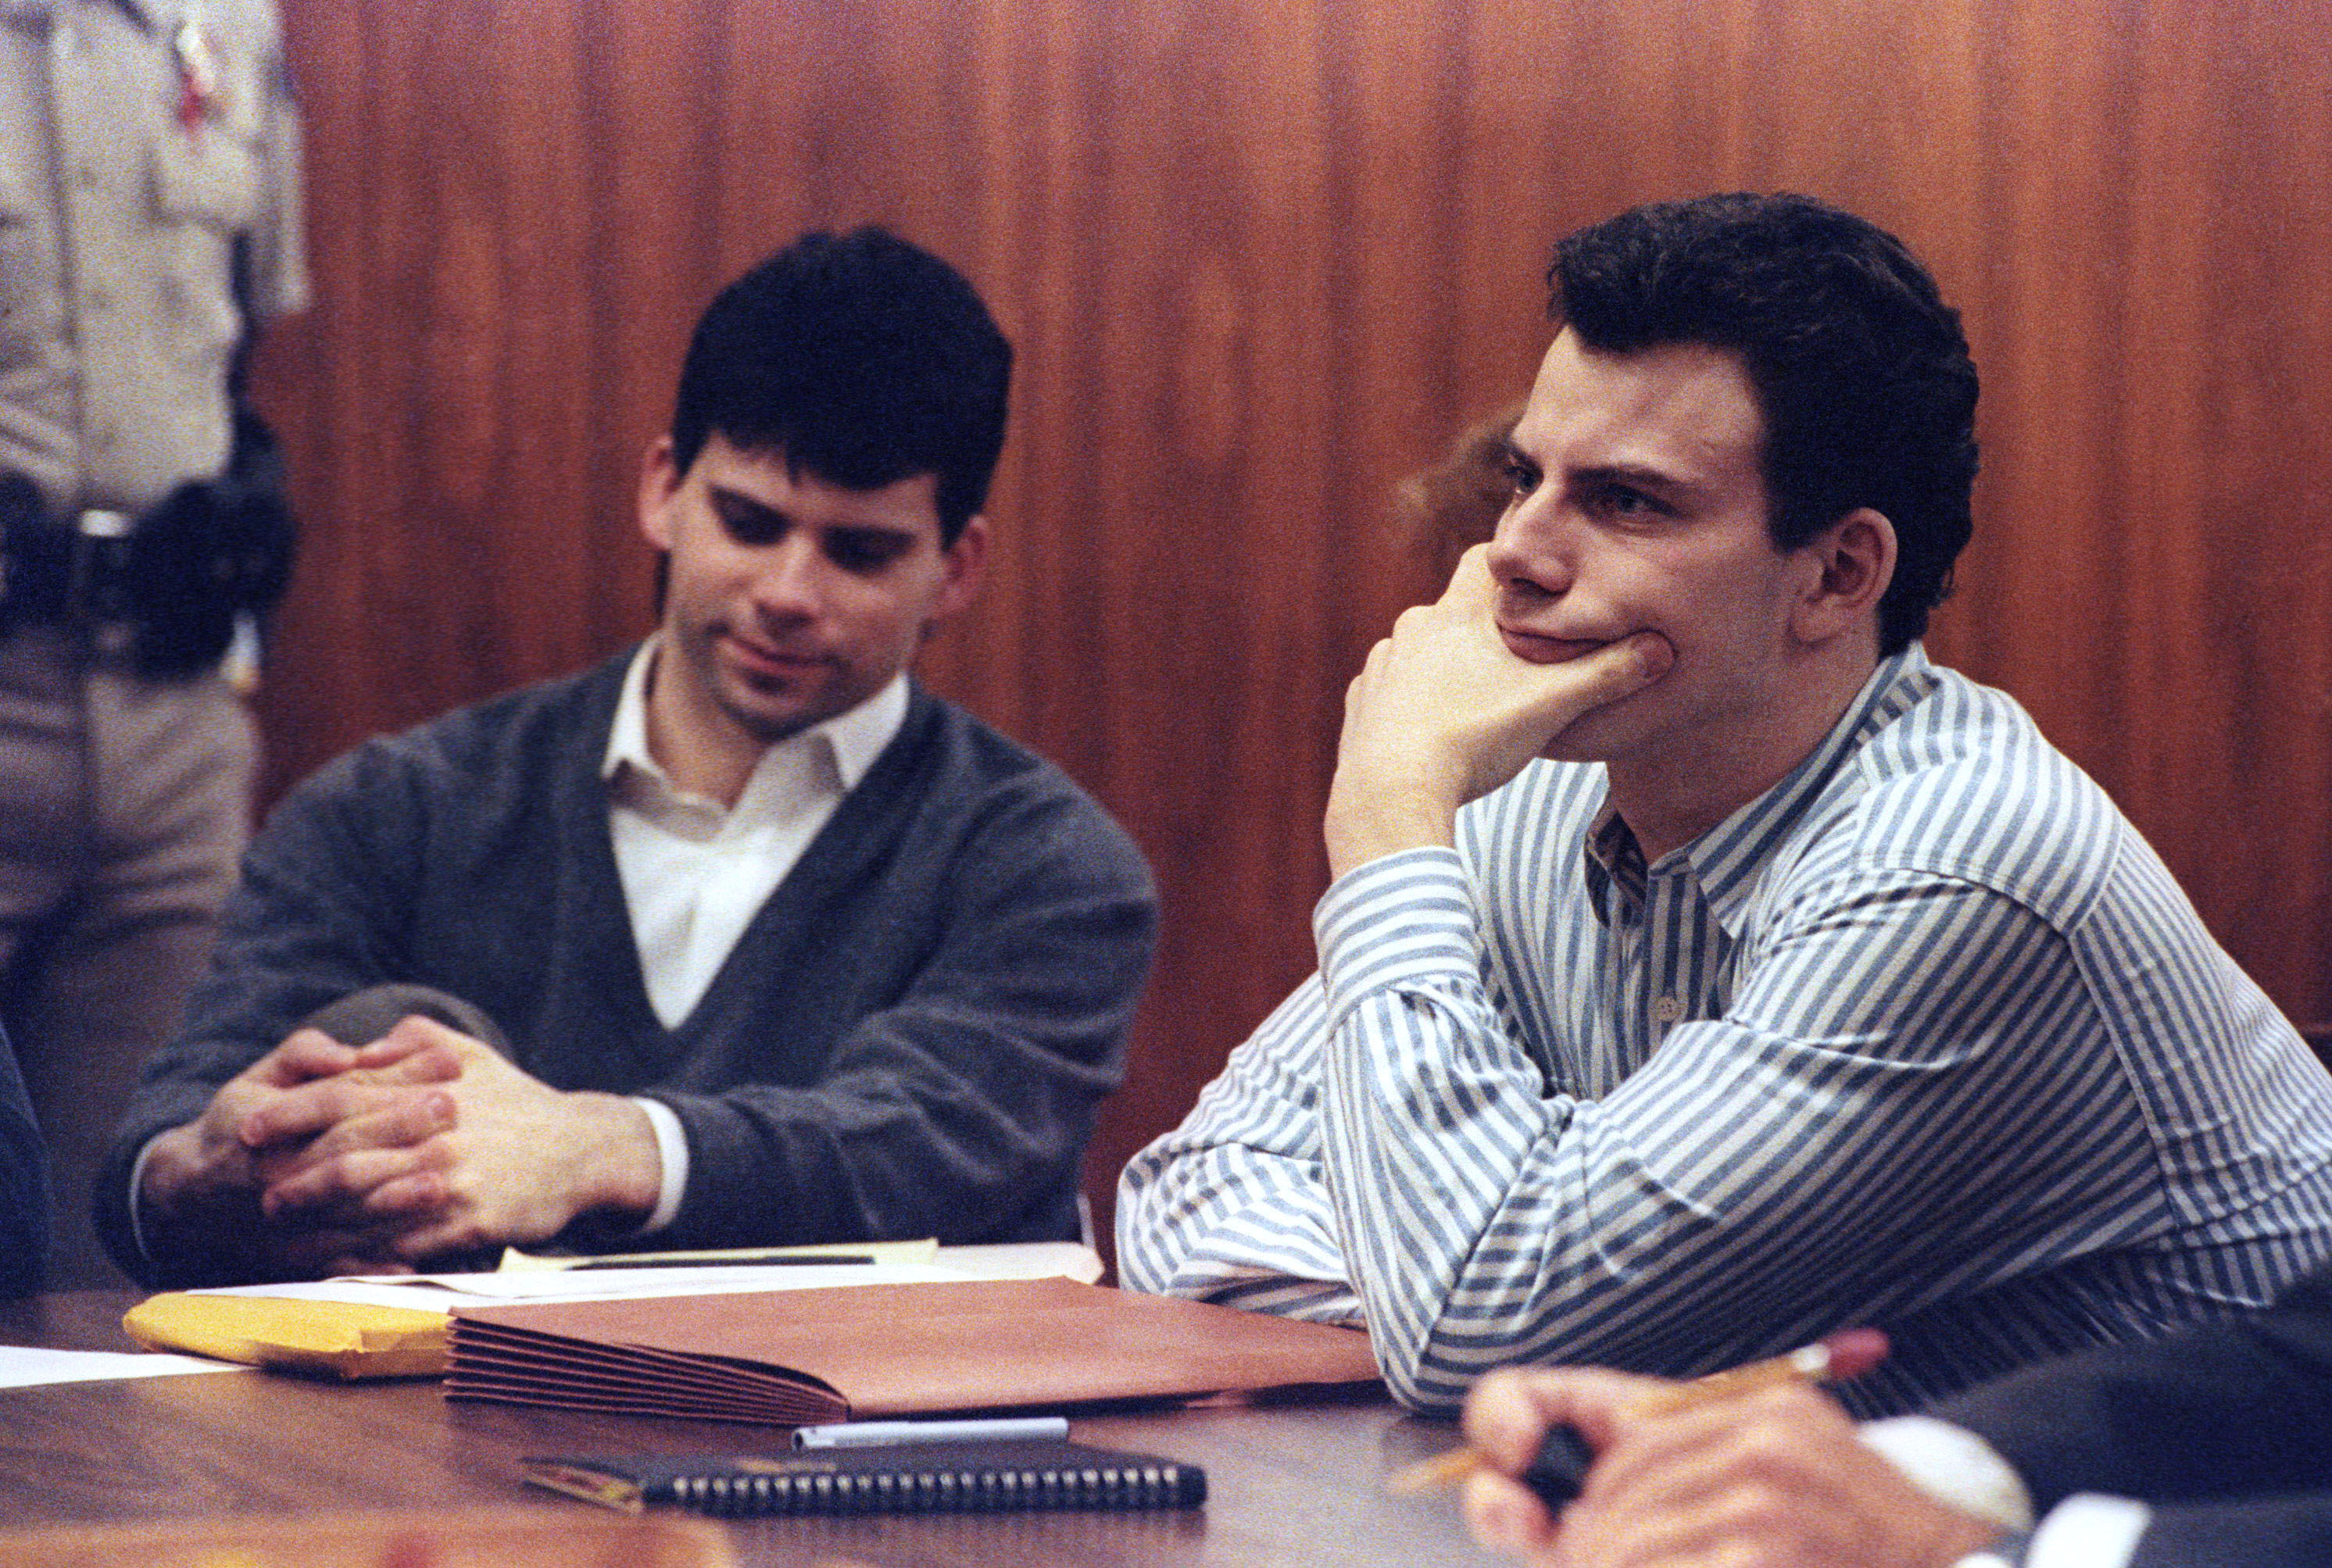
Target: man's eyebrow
(1636, 476)
(725, 496)
(1624, 474)
(1632, 474)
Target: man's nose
(1534, 555)
(787, 582)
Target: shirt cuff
(672, 1145)
(2008, 1552)
(1954, 1465)
(137, 1198)
(1402, 920)
(2088, 1530)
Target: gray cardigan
(24, 1184)
(908, 1040)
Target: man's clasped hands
(422, 1146)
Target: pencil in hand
(1564, 1457)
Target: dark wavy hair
(1860, 370)
(864, 359)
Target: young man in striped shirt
(1705, 970)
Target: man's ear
(963, 565)
(1850, 564)
(660, 481)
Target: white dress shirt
(695, 872)
(1924, 1036)
(1960, 1470)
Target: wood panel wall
(1261, 258)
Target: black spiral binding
(942, 1491)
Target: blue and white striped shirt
(1924, 1036)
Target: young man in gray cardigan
(739, 938)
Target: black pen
(719, 1261)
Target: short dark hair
(864, 359)
(1861, 372)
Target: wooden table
(1290, 1483)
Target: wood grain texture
(1287, 1484)
(1291, 1479)
(1261, 258)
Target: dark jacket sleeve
(319, 914)
(2224, 1430)
(2269, 1532)
(24, 1184)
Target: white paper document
(23, 1367)
(444, 1292)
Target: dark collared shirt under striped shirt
(1925, 1037)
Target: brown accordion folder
(799, 1357)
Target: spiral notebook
(903, 1479)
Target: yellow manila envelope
(341, 1339)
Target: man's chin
(770, 718)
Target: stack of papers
(395, 1325)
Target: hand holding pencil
(1751, 1466)
(1565, 1454)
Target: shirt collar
(1613, 859)
(854, 737)
(859, 733)
(1726, 858)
